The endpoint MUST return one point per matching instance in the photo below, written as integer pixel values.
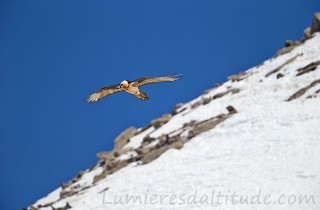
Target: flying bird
(131, 87)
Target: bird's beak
(120, 85)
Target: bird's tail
(142, 96)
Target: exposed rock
(309, 96)
(314, 95)
(64, 185)
(45, 205)
(219, 95)
(206, 100)
(235, 90)
(279, 75)
(155, 153)
(80, 174)
(120, 152)
(281, 66)
(206, 125)
(143, 129)
(315, 27)
(101, 163)
(207, 91)
(173, 140)
(67, 193)
(163, 139)
(201, 101)
(116, 154)
(67, 206)
(290, 45)
(311, 67)
(94, 166)
(307, 33)
(110, 168)
(284, 50)
(143, 150)
(303, 90)
(116, 165)
(238, 77)
(73, 180)
(179, 105)
(147, 140)
(106, 155)
(197, 103)
(111, 155)
(161, 120)
(124, 137)
(231, 110)
(191, 123)
(176, 109)
(101, 176)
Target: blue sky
(53, 54)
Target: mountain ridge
(292, 78)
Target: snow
(136, 140)
(268, 152)
(87, 178)
(127, 156)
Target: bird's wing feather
(103, 92)
(149, 80)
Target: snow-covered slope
(251, 143)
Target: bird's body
(131, 87)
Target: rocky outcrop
(201, 101)
(110, 168)
(108, 160)
(279, 75)
(302, 91)
(238, 77)
(67, 206)
(74, 180)
(308, 32)
(219, 95)
(281, 66)
(157, 123)
(177, 109)
(206, 100)
(111, 155)
(124, 137)
(314, 95)
(151, 148)
(315, 27)
(311, 67)
(153, 154)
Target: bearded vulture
(131, 87)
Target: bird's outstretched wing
(149, 80)
(103, 92)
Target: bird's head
(124, 84)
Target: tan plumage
(131, 87)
